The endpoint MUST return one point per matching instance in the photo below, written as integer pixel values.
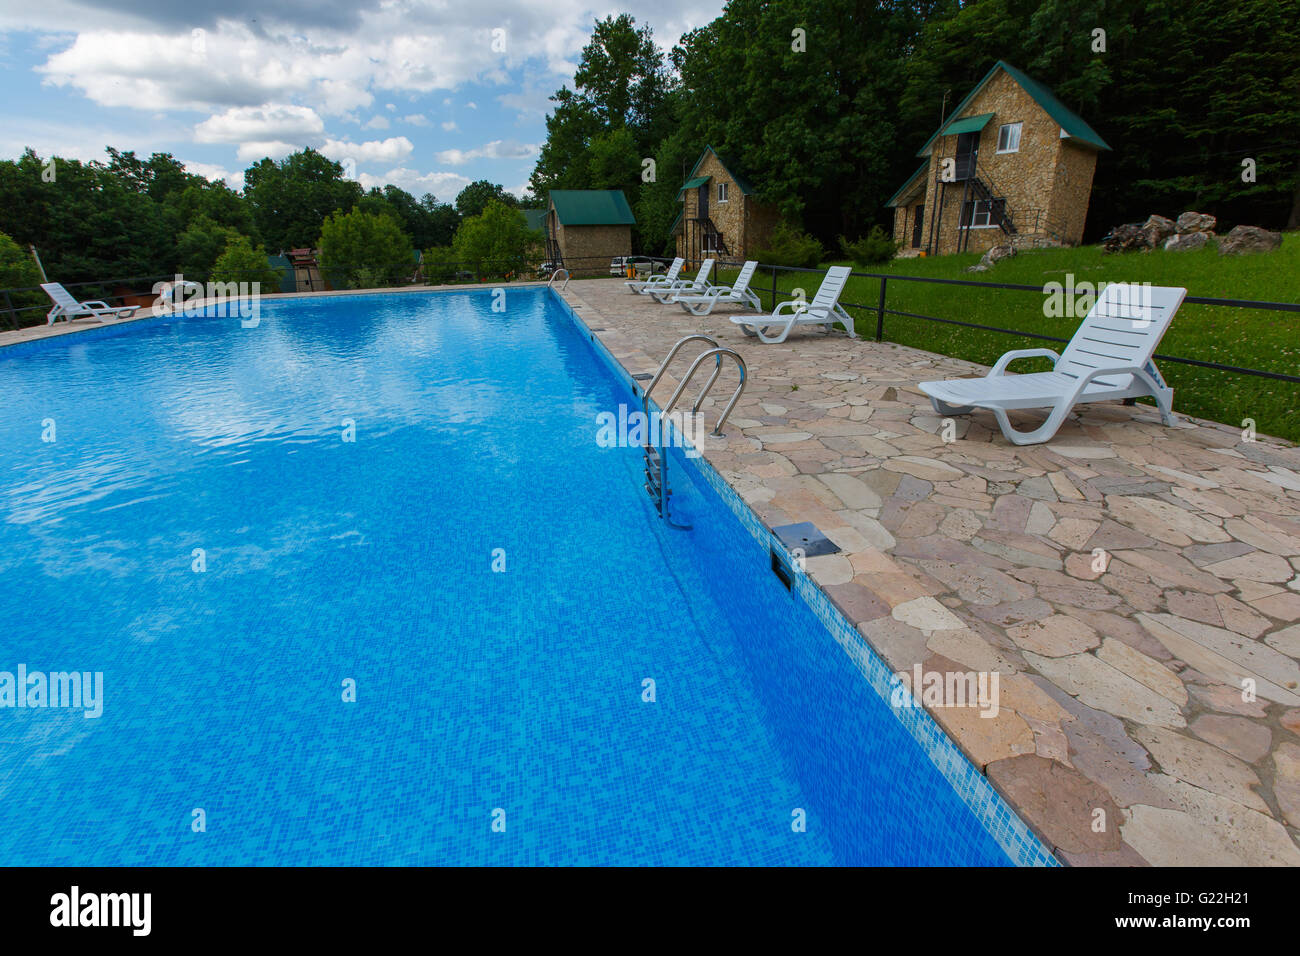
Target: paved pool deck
(1121, 690)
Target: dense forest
(827, 125)
(820, 104)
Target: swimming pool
(364, 589)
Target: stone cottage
(585, 228)
(1011, 164)
(720, 217)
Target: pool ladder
(550, 282)
(656, 458)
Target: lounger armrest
(1010, 357)
(94, 303)
(797, 304)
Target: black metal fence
(880, 309)
(593, 266)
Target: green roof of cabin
(741, 183)
(536, 218)
(1070, 122)
(592, 207)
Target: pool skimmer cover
(805, 537)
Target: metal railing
(881, 309)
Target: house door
(968, 147)
(702, 207)
(917, 223)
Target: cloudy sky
(426, 94)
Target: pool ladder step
(656, 459)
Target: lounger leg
(943, 408)
(1042, 433)
(748, 330)
(1164, 403)
(762, 332)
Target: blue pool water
(481, 695)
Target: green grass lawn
(1243, 337)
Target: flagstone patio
(1122, 688)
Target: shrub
(18, 271)
(439, 264)
(788, 245)
(359, 250)
(496, 241)
(874, 248)
(199, 247)
(241, 261)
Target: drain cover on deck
(642, 376)
(805, 537)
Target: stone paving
(1124, 580)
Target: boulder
(1190, 222)
(997, 254)
(1158, 229)
(1188, 241)
(1244, 239)
(1126, 238)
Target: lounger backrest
(60, 295)
(746, 274)
(1123, 327)
(705, 269)
(830, 290)
(675, 268)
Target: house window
(982, 213)
(722, 192)
(1009, 138)
(709, 241)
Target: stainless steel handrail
(735, 396)
(663, 367)
(556, 273)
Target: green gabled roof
(536, 218)
(1069, 121)
(741, 183)
(672, 230)
(592, 207)
(910, 179)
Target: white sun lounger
(642, 286)
(1109, 358)
(824, 309)
(702, 303)
(66, 307)
(684, 286)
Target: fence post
(9, 307)
(773, 287)
(880, 311)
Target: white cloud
(416, 119)
(497, 149)
(391, 150)
(444, 185)
(377, 122)
(267, 122)
(251, 152)
(471, 105)
(450, 126)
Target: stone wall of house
(1071, 190)
(1046, 179)
(588, 249)
(760, 220)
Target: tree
(292, 198)
(361, 250)
(442, 219)
(497, 241)
(200, 246)
(214, 201)
(474, 198)
(241, 261)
